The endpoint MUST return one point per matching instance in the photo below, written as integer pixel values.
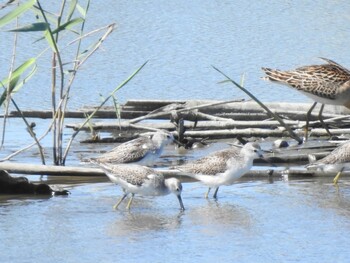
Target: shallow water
(304, 220)
(284, 221)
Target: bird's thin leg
(336, 178)
(120, 200)
(130, 201)
(207, 193)
(216, 192)
(307, 121)
(324, 125)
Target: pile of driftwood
(217, 119)
(206, 120)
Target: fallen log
(238, 106)
(22, 168)
(255, 132)
(103, 114)
(223, 109)
(202, 125)
(268, 172)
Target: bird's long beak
(182, 208)
(261, 155)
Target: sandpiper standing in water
(336, 161)
(327, 84)
(142, 180)
(222, 167)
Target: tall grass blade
(290, 131)
(81, 10)
(41, 26)
(51, 41)
(19, 71)
(68, 25)
(71, 10)
(14, 84)
(16, 12)
(25, 80)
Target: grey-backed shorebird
(142, 180)
(327, 84)
(142, 148)
(336, 161)
(223, 167)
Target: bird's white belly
(339, 101)
(331, 167)
(226, 178)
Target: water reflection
(323, 194)
(142, 222)
(218, 215)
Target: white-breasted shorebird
(335, 161)
(143, 148)
(326, 84)
(222, 167)
(142, 180)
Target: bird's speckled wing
(320, 80)
(133, 174)
(212, 164)
(341, 154)
(131, 151)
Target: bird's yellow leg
(207, 193)
(119, 202)
(336, 178)
(130, 201)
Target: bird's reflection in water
(217, 215)
(142, 222)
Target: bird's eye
(255, 151)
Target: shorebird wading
(336, 161)
(142, 180)
(222, 167)
(143, 148)
(327, 84)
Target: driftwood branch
(137, 108)
(22, 168)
